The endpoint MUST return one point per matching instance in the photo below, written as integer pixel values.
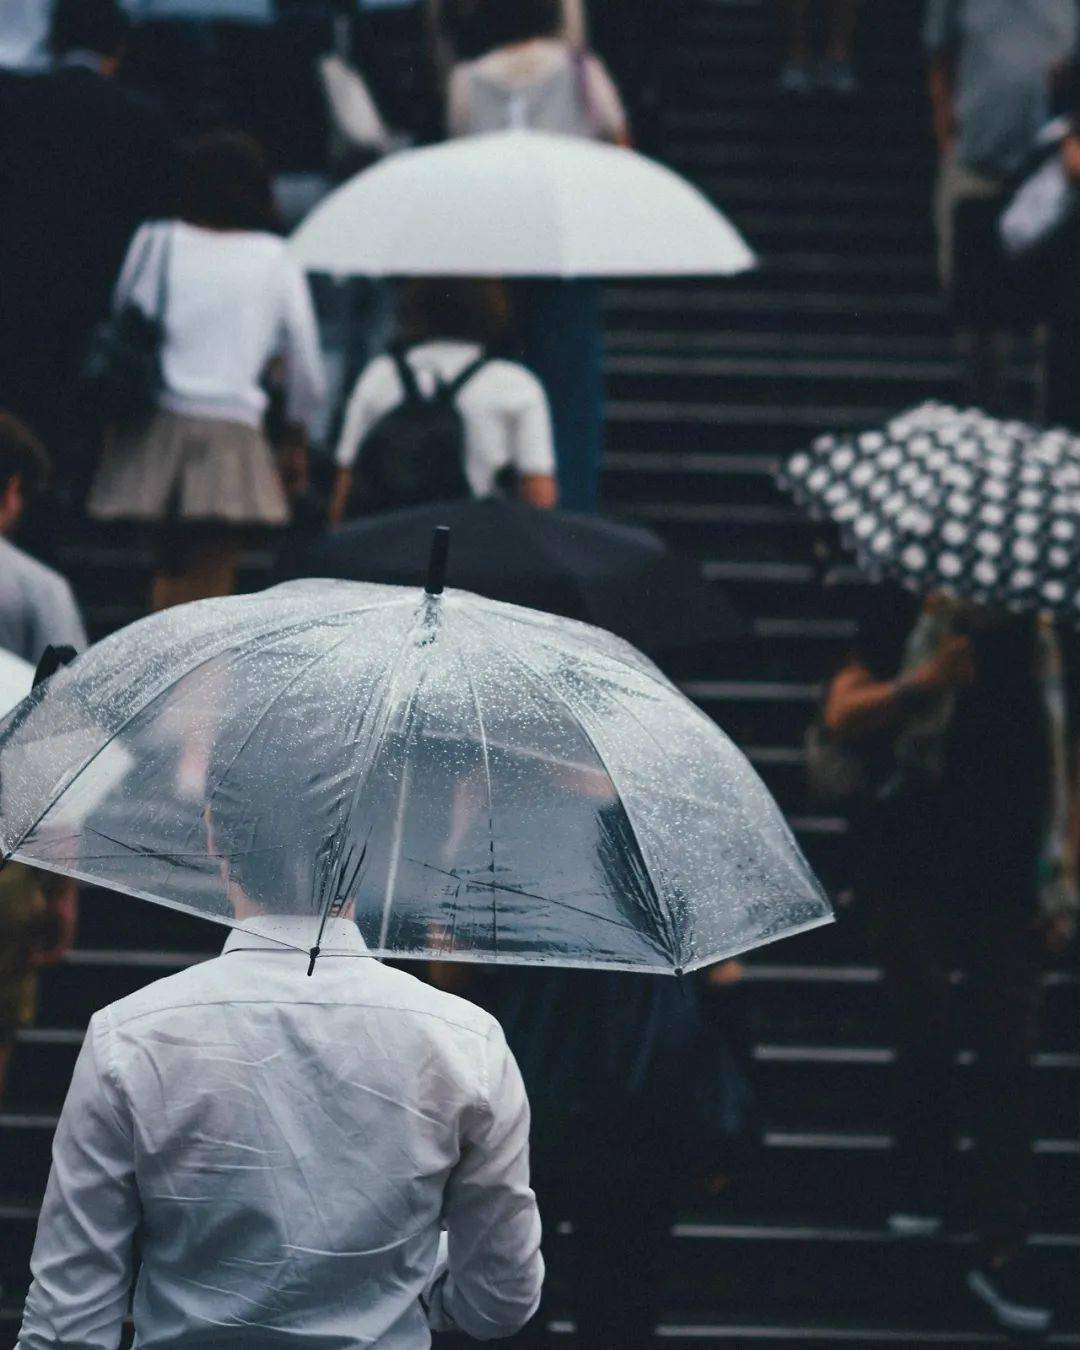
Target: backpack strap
(450, 390)
(406, 375)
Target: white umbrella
(519, 203)
(16, 677)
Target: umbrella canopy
(519, 203)
(16, 677)
(944, 499)
(470, 780)
(616, 576)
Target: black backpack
(415, 453)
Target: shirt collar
(285, 932)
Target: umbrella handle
(52, 658)
(440, 553)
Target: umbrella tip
(440, 552)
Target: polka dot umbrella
(949, 499)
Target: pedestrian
(37, 607)
(1061, 388)
(317, 1154)
(834, 73)
(993, 67)
(85, 161)
(530, 77)
(232, 303)
(968, 832)
(451, 330)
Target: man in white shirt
(288, 1151)
(36, 604)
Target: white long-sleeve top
(235, 301)
(288, 1149)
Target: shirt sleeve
(366, 406)
(305, 375)
(940, 24)
(83, 1263)
(532, 443)
(495, 1270)
(139, 277)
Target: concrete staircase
(709, 384)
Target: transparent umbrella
(467, 779)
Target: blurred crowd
(143, 195)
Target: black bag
(415, 453)
(121, 377)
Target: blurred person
(993, 67)
(530, 77)
(971, 865)
(324, 1154)
(38, 917)
(834, 73)
(85, 161)
(37, 607)
(202, 473)
(448, 328)
(1061, 357)
(457, 32)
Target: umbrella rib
(487, 782)
(537, 680)
(527, 895)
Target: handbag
(121, 373)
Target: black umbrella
(614, 576)
(954, 500)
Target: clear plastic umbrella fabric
(468, 780)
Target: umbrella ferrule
(314, 954)
(440, 553)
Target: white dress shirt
(287, 1150)
(503, 408)
(235, 300)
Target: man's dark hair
(21, 456)
(501, 23)
(99, 26)
(227, 184)
(472, 309)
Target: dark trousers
(1061, 372)
(621, 1210)
(992, 937)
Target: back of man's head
(24, 469)
(98, 26)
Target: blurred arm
(940, 34)
(83, 1261)
(492, 1285)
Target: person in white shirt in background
(447, 323)
(37, 607)
(324, 1154)
(235, 304)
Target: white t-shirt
(235, 301)
(503, 407)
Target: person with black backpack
(439, 418)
